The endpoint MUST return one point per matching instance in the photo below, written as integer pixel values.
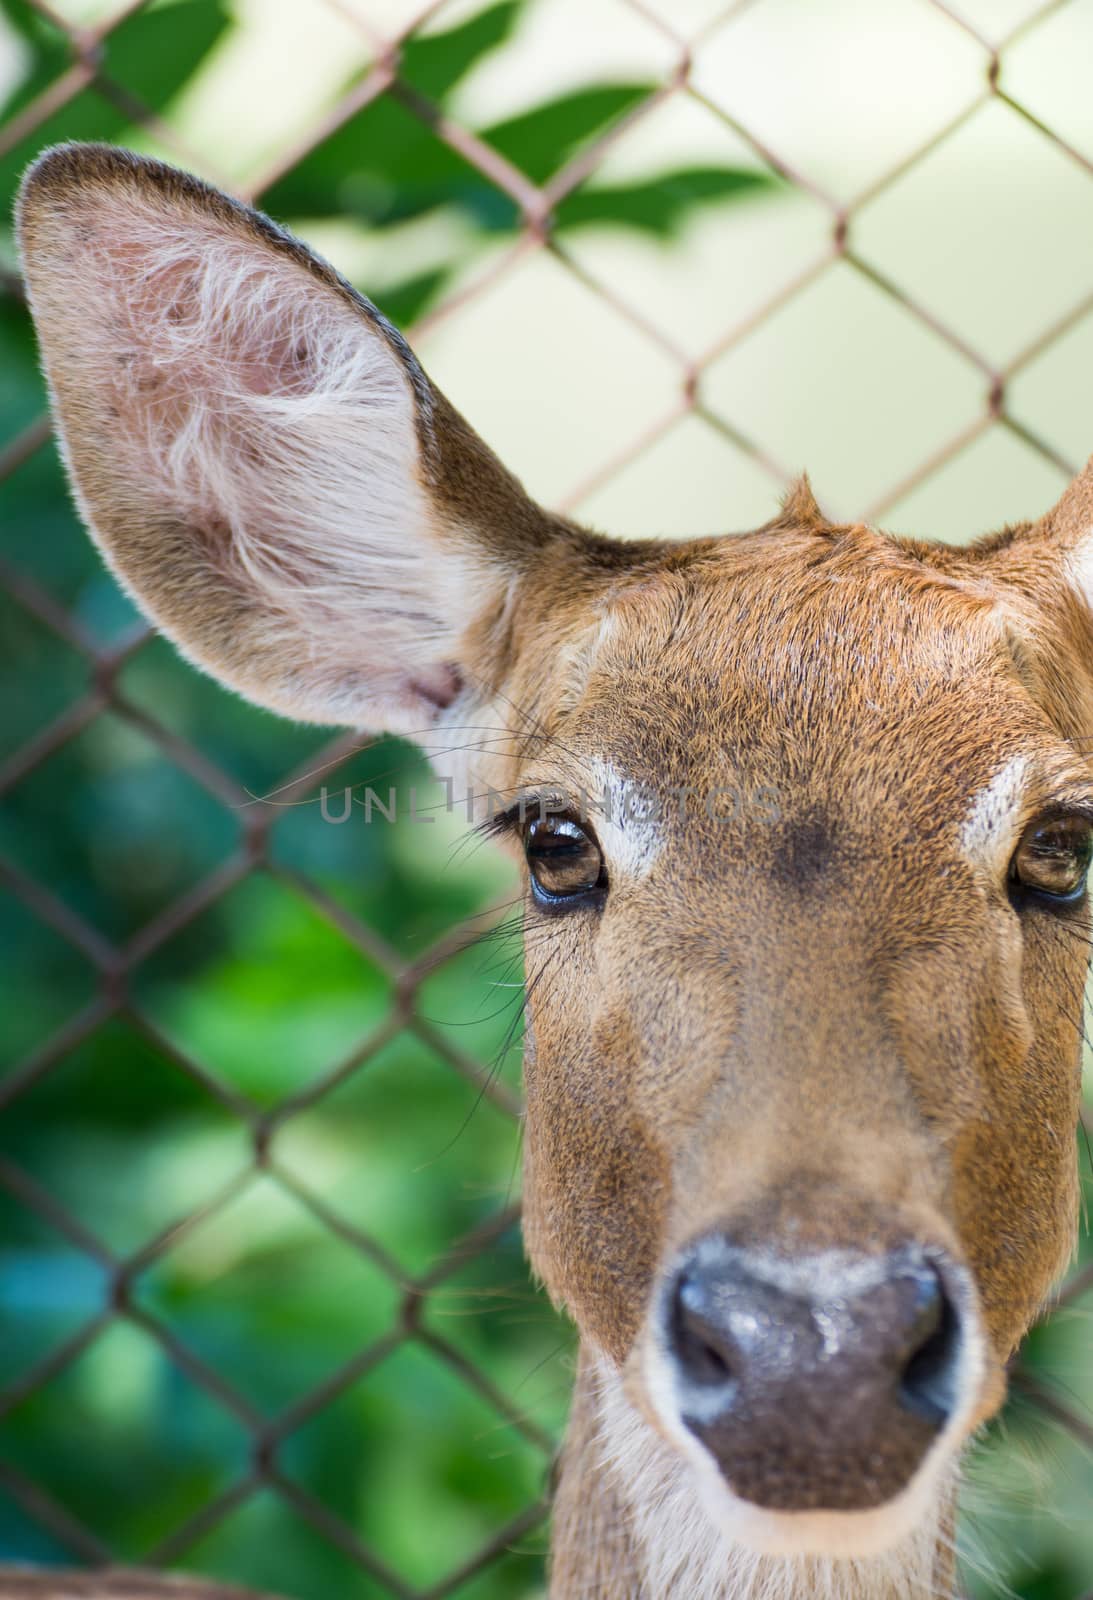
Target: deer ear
(1066, 532)
(1045, 570)
(257, 452)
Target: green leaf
(543, 139)
(384, 164)
(435, 64)
(406, 301)
(49, 51)
(661, 205)
(152, 54)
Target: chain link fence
(85, 85)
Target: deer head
(806, 971)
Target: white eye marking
(990, 828)
(628, 817)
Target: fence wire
(89, 69)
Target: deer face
(802, 1079)
(804, 867)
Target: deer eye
(1053, 858)
(565, 862)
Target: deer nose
(818, 1382)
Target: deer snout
(817, 1383)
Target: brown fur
(825, 1027)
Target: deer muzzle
(818, 1382)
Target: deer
(803, 1041)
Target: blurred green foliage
(266, 993)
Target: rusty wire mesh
(115, 962)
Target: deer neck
(627, 1525)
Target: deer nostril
(929, 1380)
(701, 1348)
